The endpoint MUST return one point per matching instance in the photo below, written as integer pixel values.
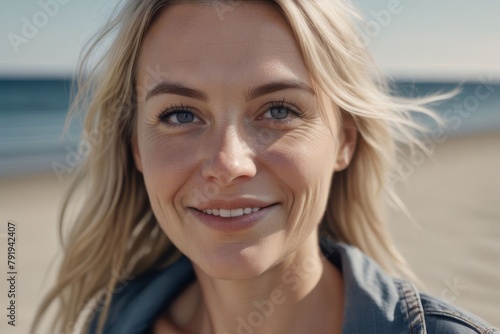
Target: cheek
(304, 162)
(304, 156)
(167, 164)
(163, 155)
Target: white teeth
(224, 213)
(231, 213)
(236, 212)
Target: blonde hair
(115, 225)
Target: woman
(244, 149)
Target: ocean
(33, 112)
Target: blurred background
(424, 46)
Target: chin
(235, 261)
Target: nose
(228, 158)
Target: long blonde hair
(115, 225)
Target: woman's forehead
(192, 41)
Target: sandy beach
(455, 199)
(455, 250)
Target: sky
(409, 39)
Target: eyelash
(175, 109)
(172, 110)
(291, 106)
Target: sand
(455, 251)
(456, 201)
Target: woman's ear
(136, 153)
(348, 136)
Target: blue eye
(182, 117)
(279, 112)
(177, 116)
(282, 112)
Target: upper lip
(232, 204)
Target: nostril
(225, 169)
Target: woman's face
(235, 154)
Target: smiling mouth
(231, 212)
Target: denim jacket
(375, 302)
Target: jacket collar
(374, 301)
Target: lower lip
(231, 224)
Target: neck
(265, 304)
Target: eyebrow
(272, 87)
(178, 89)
